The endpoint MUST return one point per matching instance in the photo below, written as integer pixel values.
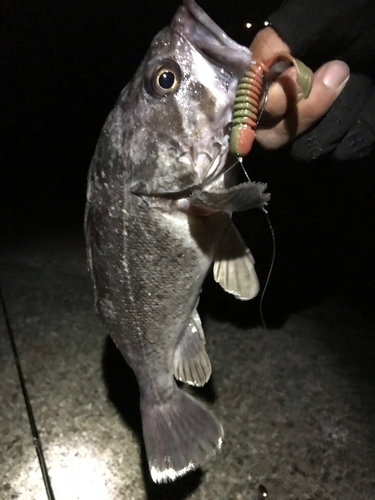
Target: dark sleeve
(321, 30)
(327, 29)
(347, 131)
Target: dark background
(65, 64)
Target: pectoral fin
(191, 362)
(234, 266)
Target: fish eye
(165, 78)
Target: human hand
(287, 114)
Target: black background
(65, 63)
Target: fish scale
(158, 215)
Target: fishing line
(237, 160)
(34, 430)
(269, 271)
(272, 258)
(265, 100)
(240, 160)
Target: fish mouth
(184, 200)
(199, 202)
(210, 197)
(206, 166)
(211, 40)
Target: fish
(158, 216)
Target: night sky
(65, 64)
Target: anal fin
(191, 363)
(234, 265)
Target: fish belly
(148, 272)
(148, 267)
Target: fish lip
(183, 193)
(211, 40)
(187, 192)
(169, 195)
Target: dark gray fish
(158, 215)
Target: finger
(347, 128)
(329, 81)
(266, 44)
(283, 96)
(284, 93)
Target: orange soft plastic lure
(246, 104)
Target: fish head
(177, 110)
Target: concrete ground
(297, 401)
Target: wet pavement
(297, 402)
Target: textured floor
(297, 403)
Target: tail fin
(179, 434)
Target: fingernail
(336, 74)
